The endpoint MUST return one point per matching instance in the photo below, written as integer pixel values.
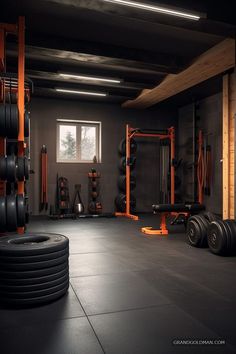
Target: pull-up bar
(148, 133)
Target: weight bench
(181, 212)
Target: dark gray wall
(44, 113)
(210, 122)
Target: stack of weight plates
(33, 268)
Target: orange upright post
(21, 98)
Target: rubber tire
(37, 300)
(204, 226)
(3, 168)
(20, 168)
(3, 216)
(20, 209)
(37, 258)
(2, 121)
(33, 274)
(33, 281)
(11, 168)
(11, 213)
(33, 287)
(216, 228)
(10, 245)
(26, 168)
(34, 265)
(232, 225)
(8, 120)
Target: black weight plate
(193, 233)
(11, 168)
(122, 163)
(32, 244)
(226, 231)
(34, 287)
(36, 300)
(122, 182)
(11, 213)
(3, 216)
(122, 147)
(232, 225)
(228, 236)
(14, 122)
(36, 293)
(2, 120)
(3, 168)
(26, 124)
(33, 281)
(204, 225)
(209, 216)
(37, 258)
(34, 265)
(8, 119)
(32, 274)
(120, 202)
(20, 168)
(216, 238)
(20, 209)
(26, 167)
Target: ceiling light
(81, 92)
(82, 77)
(159, 9)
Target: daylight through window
(78, 142)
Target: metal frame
(134, 132)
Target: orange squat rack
(19, 31)
(134, 132)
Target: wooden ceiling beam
(214, 61)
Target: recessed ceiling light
(91, 78)
(159, 9)
(81, 92)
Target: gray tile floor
(129, 294)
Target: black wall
(210, 122)
(44, 113)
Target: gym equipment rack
(19, 88)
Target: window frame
(79, 124)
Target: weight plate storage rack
(15, 91)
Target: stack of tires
(120, 200)
(13, 169)
(33, 268)
(207, 230)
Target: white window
(78, 141)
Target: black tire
(34, 265)
(26, 124)
(33, 287)
(33, 281)
(122, 183)
(33, 294)
(11, 168)
(2, 120)
(3, 216)
(8, 120)
(122, 147)
(3, 168)
(37, 300)
(11, 213)
(14, 122)
(122, 164)
(20, 168)
(32, 244)
(216, 237)
(37, 258)
(32, 274)
(204, 226)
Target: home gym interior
(117, 177)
